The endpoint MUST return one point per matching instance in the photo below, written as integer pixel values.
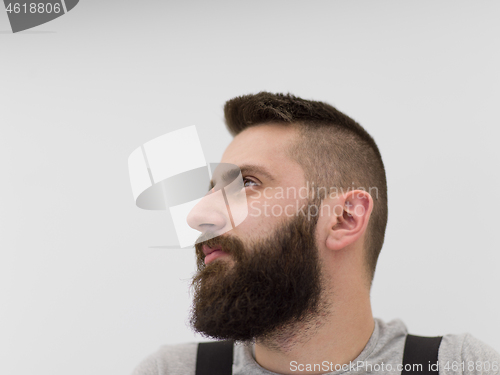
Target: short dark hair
(333, 149)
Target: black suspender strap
(215, 358)
(421, 355)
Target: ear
(349, 219)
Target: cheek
(264, 213)
(260, 220)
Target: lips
(209, 250)
(212, 253)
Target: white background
(81, 292)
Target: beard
(266, 288)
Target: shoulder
(465, 354)
(461, 354)
(170, 360)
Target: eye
(247, 180)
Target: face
(267, 274)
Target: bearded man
(288, 290)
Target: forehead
(266, 146)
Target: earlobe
(348, 226)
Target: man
(291, 284)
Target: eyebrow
(245, 169)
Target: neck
(337, 334)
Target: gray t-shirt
(383, 354)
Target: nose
(210, 214)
